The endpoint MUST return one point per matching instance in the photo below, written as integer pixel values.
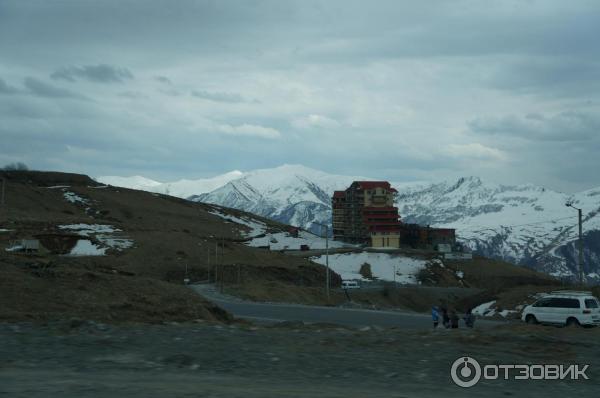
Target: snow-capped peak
(525, 224)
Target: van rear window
(591, 303)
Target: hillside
(120, 254)
(526, 224)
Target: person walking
(469, 318)
(453, 320)
(445, 318)
(435, 315)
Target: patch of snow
(278, 240)
(58, 187)
(284, 241)
(460, 274)
(103, 233)
(74, 198)
(256, 227)
(87, 229)
(99, 187)
(561, 273)
(438, 262)
(485, 309)
(5, 230)
(85, 247)
(115, 243)
(383, 266)
(14, 248)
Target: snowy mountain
(180, 188)
(291, 194)
(524, 224)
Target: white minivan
(564, 307)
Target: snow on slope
(283, 241)
(291, 194)
(383, 266)
(277, 240)
(524, 224)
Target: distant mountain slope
(181, 188)
(291, 194)
(524, 224)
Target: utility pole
(326, 257)
(2, 197)
(216, 261)
(208, 266)
(2, 207)
(222, 263)
(580, 219)
(580, 246)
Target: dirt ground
(142, 283)
(89, 359)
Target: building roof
(339, 194)
(374, 184)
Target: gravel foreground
(86, 359)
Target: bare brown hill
(168, 236)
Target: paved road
(269, 312)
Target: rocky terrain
(88, 359)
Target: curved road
(270, 312)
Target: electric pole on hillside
(326, 256)
(569, 204)
(2, 195)
(222, 263)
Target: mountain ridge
(526, 224)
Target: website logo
(466, 372)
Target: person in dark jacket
(445, 318)
(469, 318)
(453, 320)
(435, 316)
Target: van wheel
(530, 319)
(573, 322)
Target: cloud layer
(400, 90)
(95, 73)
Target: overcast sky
(421, 90)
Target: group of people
(450, 317)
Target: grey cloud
(7, 89)
(564, 126)
(132, 95)
(42, 89)
(396, 76)
(218, 96)
(569, 76)
(101, 73)
(164, 79)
